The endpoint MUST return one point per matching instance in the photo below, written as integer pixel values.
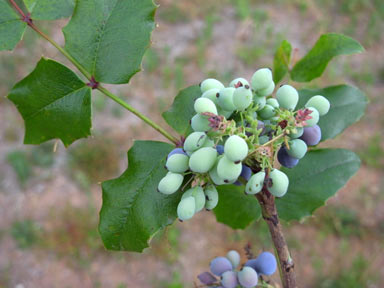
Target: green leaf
(281, 61)
(109, 37)
(328, 46)
(236, 209)
(133, 211)
(54, 103)
(50, 10)
(347, 107)
(11, 27)
(182, 111)
(318, 176)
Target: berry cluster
(238, 132)
(247, 276)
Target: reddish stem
(18, 9)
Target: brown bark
(269, 213)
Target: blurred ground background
(49, 202)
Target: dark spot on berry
(246, 86)
(181, 220)
(217, 95)
(226, 181)
(237, 162)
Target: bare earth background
(49, 202)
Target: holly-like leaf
(236, 209)
(11, 26)
(133, 211)
(49, 10)
(318, 176)
(281, 61)
(54, 103)
(181, 111)
(348, 105)
(109, 37)
(328, 46)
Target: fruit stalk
(269, 213)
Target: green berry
(198, 194)
(203, 105)
(210, 83)
(235, 148)
(211, 196)
(186, 208)
(273, 102)
(170, 183)
(242, 98)
(228, 170)
(297, 148)
(211, 94)
(287, 96)
(237, 80)
(315, 117)
(267, 91)
(177, 163)
(194, 141)
(226, 99)
(200, 123)
(202, 160)
(321, 104)
(214, 175)
(260, 101)
(234, 257)
(261, 79)
(224, 113)
(255, 183)
(279, 183)
(267, 112)
(297, 134)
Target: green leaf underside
(281, 61)
(133, 211)
(236, 209)
(109, 37)
(182, 111)
(347, 107)
(318, 176)
(54, 103)
(11, 27)
(327, 46)
(50, 9)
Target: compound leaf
(54, 103)
(281, 61)
(327, 46)
(133, 211)
(348, 105)
(236, 209)
(109, 37)
(181, 111)
(11, 27)
(318, 176)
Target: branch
(269, 212)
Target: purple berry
(229, 279)
(207, 278)
(248, 277)
(251, 263)
(246, 172)
(285, 159)
(311, 135)
(219, 265)
(176, 151)
(220, 149)
(266, 263)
